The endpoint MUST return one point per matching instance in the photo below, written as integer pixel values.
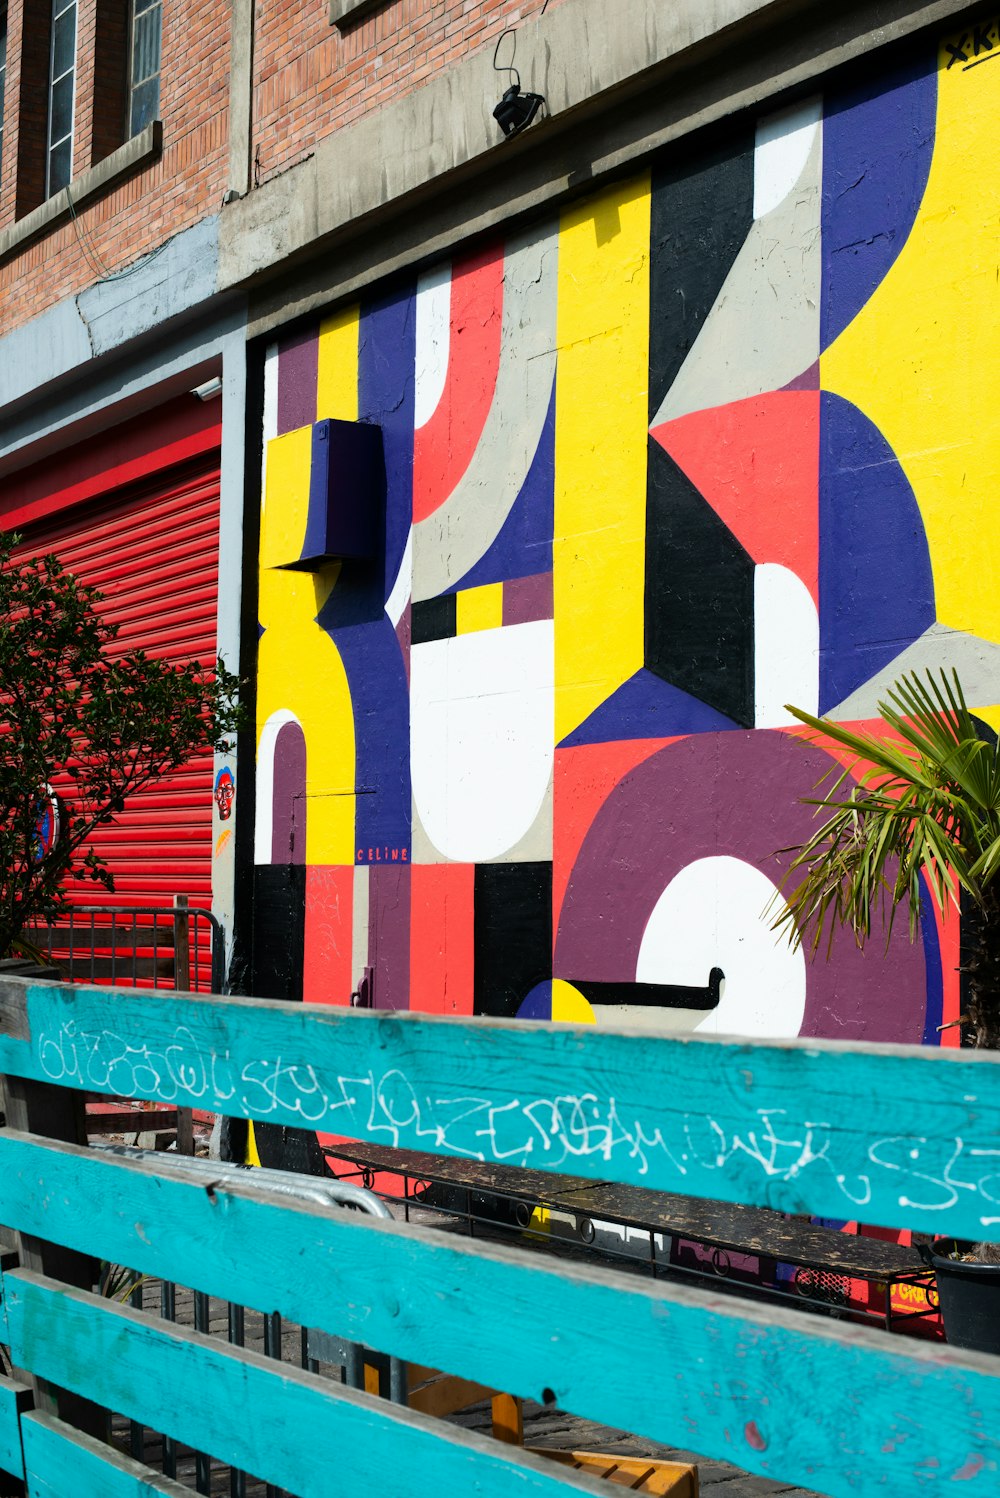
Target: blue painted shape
(878, 141)
(380, 701)
(663, 1111)
(876, 586)
(310, 1436)
(523, 547)
(14, 1399)
(538, 1003)
(61, 1461)
(386, 363)
(935, 975)
(646, 707)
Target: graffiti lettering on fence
(553, 1132)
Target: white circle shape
(712, 914)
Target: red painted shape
(585, 776)
(753, 1436)
(443, 447)
(441, 937)
(181, 429)
(327, 975)
(756, 461)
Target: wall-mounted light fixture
(516, 110)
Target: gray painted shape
(764, 328)
(976, 660)
(452, 539)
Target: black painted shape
(278, 946)
(700, 216)
(434, 619)
(278, 930)
(513, 934)
(699, 595)
(655, 995)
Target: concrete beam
(241, 38)
(412, 179)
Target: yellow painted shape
(300, 669)
(540, 1220)
(337, 373)
(286, 498)
(920, 359)
(600, 450)
(252, 1155)
(479, 608)
(569, 1006)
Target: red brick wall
(184, 186)
(311, 79)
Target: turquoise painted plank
(676, 1365)
(900, 1136)
(63, 1463)
(281, 1425)
(14, 1399)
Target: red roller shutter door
(153, 553)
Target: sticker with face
(225, 793)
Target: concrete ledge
(134, 153)
(347, 13)
(422, 173)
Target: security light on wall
(516, 110)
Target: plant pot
(970, 1302)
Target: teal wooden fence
(902, 1137)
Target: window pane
(145, 105)
(60, 161)
(61, 117)
(146, 46)
(63, 43)
(141, 5)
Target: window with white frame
(62, 95)
(144, 64)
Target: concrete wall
(716, 438)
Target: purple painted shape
(298, 361)
(734, 794)
(807, 380)
(389, 933)
(288, 796)
(878, 141)
(404, 633)
(646, 707)
(526, 599)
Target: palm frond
(923, 814)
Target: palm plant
(922, 815)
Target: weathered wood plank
(778, 1125)
(266, 1418)
(15, 1399)
(680, 1366)
(63, 1461)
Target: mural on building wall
(717, 439)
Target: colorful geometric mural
(718, 439)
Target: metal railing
(314, 1347)
(170, 947)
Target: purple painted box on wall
(346, 489)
